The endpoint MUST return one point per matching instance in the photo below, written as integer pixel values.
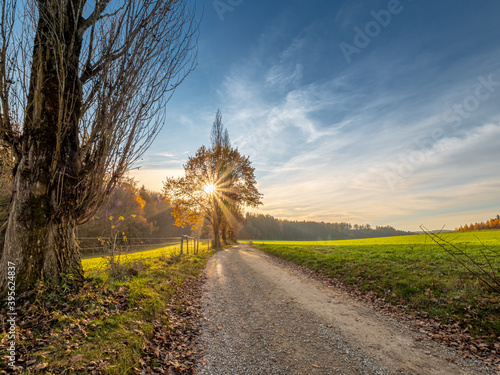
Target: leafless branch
(489, 278)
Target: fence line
(127, 245)
(134, 238)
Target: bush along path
(139, 319)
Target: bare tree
(88, 81)
(219, 136)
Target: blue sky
(380, 112)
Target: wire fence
(91, 247)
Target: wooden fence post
(182, 240)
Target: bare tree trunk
(100, 75)
(216, 222)
(42, 221)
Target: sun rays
(209, 189)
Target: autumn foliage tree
(218, 183)
(87, 82)
(489, 224)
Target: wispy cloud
(283, 77)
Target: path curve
(261, 317)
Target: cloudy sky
(382, 112)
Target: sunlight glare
(209, 188)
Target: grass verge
(102, 327)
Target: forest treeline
(483, 225)
(266, 227)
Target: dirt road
(261, 317)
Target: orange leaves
(141, 201)
(186, 217)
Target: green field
(413, 271)
(491, 237)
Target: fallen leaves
(44, 329)
(76, 358)
(174, 348)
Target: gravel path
(261, 317)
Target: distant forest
(139, 215)
(266, 227)
(489, 224)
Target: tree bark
(217, 240)
(216, 229)
(42, 249)
(40, 237)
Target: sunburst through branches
(209, 188)
(219, 183)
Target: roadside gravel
(261, 317)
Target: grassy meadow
(412, 271)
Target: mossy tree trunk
(40, 236)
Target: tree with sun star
(218, 183)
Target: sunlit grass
(100, 263)
(487, 237)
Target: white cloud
(326, 146)
(282, 77)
